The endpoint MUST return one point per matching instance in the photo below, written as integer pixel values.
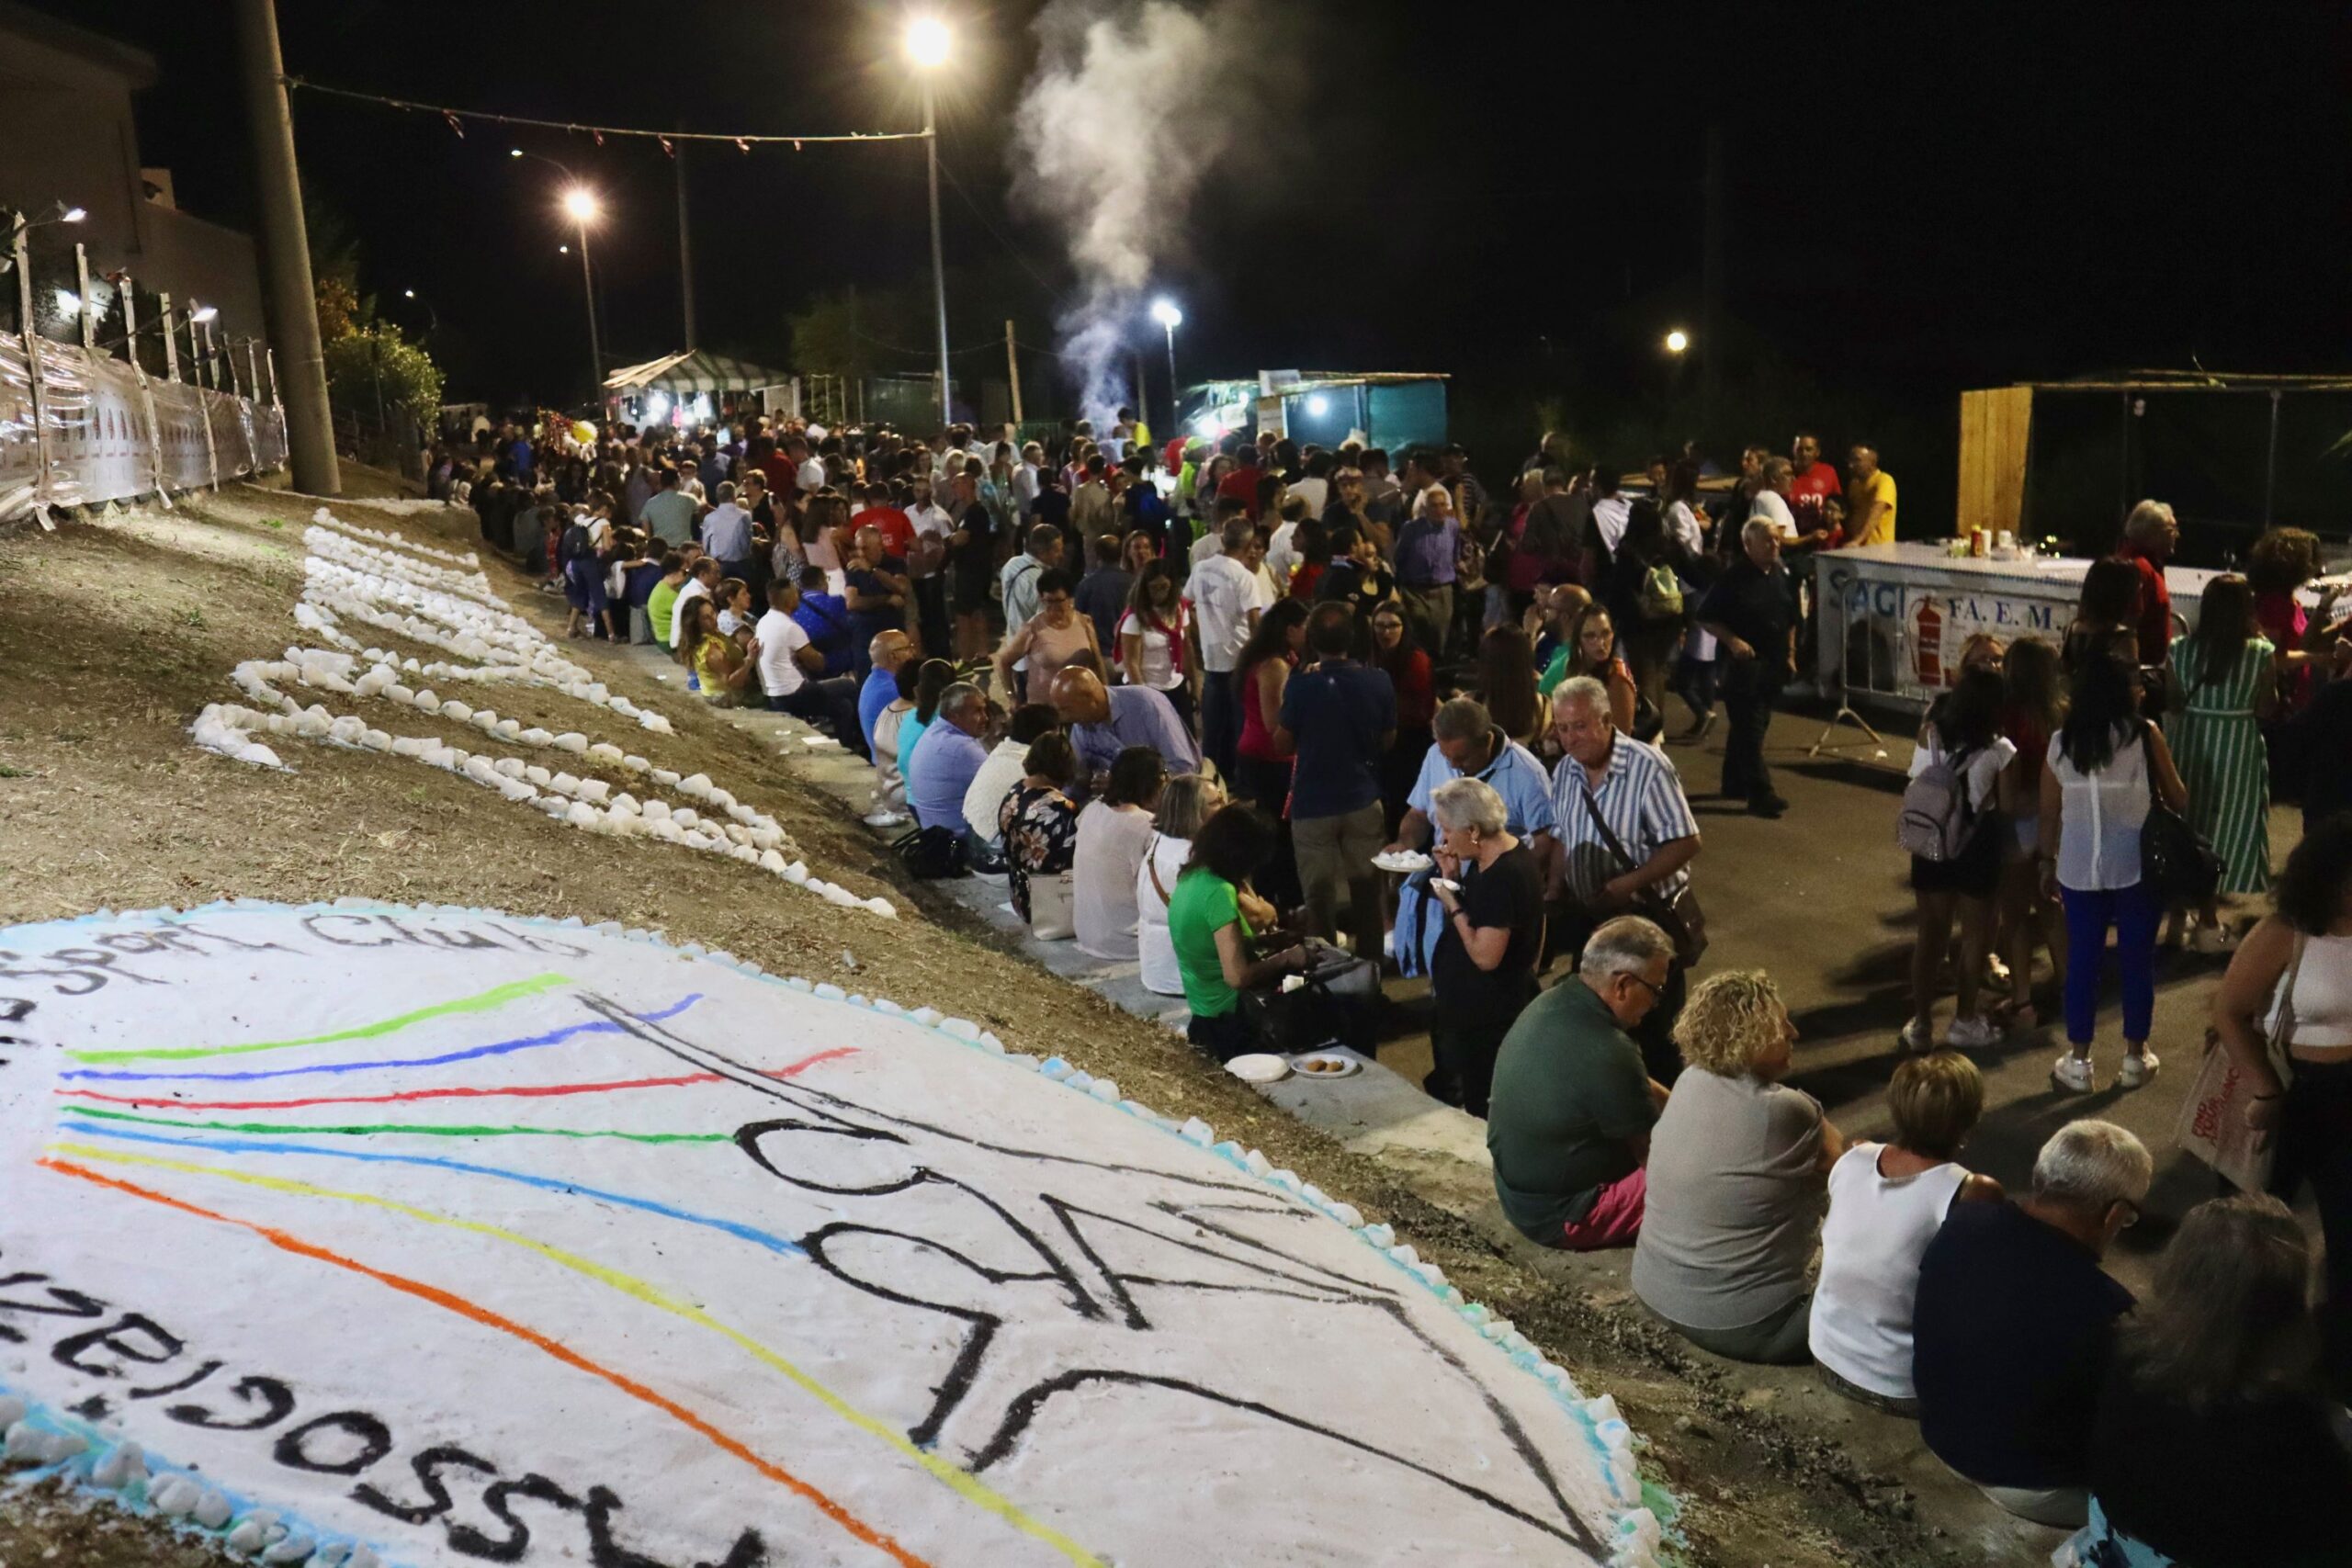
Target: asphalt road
(1820, 900)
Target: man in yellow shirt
(1869, 498)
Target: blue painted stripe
(496, 1048)
(569, 1189)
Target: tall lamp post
(580, 205)
(1165, 312)
(927, 46)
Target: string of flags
(456, 117)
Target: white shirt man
(780, 639)
(1028, 479)
(1773, 506)
(696, 588)
(1224, 595)
(812, 475)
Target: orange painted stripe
(856, 1527)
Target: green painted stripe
(426, 1129)
(496, 997)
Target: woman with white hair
(1492, 892)
(1736, 1170)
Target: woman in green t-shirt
(1211, 937)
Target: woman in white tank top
(2299, 961)
(1886, 1202)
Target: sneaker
(2139, 1066)
(1917, 1039)
(1973, 1034)
(2072, 1073)
(2212, 938)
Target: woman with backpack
(1951, 822)
(2106, 765)
(1643, 593)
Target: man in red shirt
(1812, 482)
(897, 528)
(1242, 483)
(2150, 535)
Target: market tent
(694, 370)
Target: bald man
(888, 651)
(1105, 721)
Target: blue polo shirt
(1337, 711)
(944, 761)
(881, 688)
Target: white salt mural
(366, 1235)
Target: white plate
(1405, 864)
(1258, 1067)
(1341, 1064)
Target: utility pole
(285, 250)
(685, 246)
(1012, 368)
(938, 260)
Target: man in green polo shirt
(1570, 1123)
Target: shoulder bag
(1678, 915)
(2212, 1127)
(2176, 864)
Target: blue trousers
(2134, 913)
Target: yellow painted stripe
(486, 1001)
(962, 1481)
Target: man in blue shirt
(727, 534)
(825, 618)
(1107, 721)
(670, 514)
(1426, 552)
(944, 761)
(1339, 718)
(889, 652)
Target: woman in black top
(2211, 1448)
(1484, 970)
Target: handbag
(1052, 910)
(1676, 914)
(2174, 862)
(2213, 1127)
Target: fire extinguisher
(1927, 644)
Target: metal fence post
(171, 338)
(82, 285)
(146, 386)
(34, 374)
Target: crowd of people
(1183, 696)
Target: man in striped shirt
(1608, 779)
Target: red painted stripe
(569, 1356)
(532, 1091)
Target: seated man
(1568, 1122)
(1105, 721)
(2015, 1320)
(946, 759)
(825, 618)
(790, 672)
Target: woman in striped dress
(2228, 686)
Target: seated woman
(2213, 1445)
(1185, 802)
(1886, 1202)
(735, 617)
(1213, 939)
(890, 738)
(1037, 820)
(1735, 1169)
(1113, 835)
(725, 670)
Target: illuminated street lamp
(928, 41)
(1677, 341)
(580, 205)
(1164, 311)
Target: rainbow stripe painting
(367, 1235)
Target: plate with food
(1258, 1066)
(1326, 1064)
(1404, 862)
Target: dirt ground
(114, 633)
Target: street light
(928, 41)
(1164, 311)
(580, 205)
(1677, 341)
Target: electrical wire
(457, 116)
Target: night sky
(1919, 199)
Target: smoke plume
(1129, 108)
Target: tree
(374, 368)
